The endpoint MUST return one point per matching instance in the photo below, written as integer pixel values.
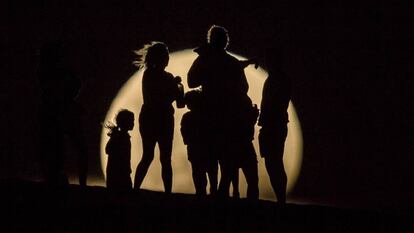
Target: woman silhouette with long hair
(156, 120)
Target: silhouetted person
(53, 76)
(118, 149)
(247, 162)
(73, 127)
(193, 130)
(225, 98)
(156, 119)
(273, 120)
(244, 147)
(244, 155)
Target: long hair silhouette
(152, 54)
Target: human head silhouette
(125, 119)
(193, 99)
(153, 55)
(218, 37)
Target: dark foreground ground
(32, 207)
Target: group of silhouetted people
(218, 129)
(228, 114)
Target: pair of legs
(52, 150)
(272, 144)
(153, 132)
(246, 160)
(200, 171)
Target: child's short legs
(199, 177)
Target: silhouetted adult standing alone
(156, 120)
(73, 125)
(53, 76)
(118, 149)
(273, 120)
(225, 100)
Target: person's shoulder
(231, 59)
(228, 55)
(202, 49)
(168, 74)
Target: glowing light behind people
(130, 97)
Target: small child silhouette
(118, 148)
(195, 137)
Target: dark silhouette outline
(50, 74)
(193, 130)
(156, 119)
(60, 115)
(273, 120)
(225, 100)
(234, 180)
(118, 149)
(73, 126)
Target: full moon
(130, 97)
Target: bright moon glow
(130, 97)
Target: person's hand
(254, 61)
(177, 79)
(256, 109)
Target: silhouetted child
(156, 120)
(118, 148)
(196, 138)
(243, 155)
(248, 162)
(273, 120)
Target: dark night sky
(350, 65)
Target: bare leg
(272, 148)
(235, 183)
(278, 178)
(251, 174)
(225, 180)
(212, 176)
(147, 157)
(165, 146)
(199, 178)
